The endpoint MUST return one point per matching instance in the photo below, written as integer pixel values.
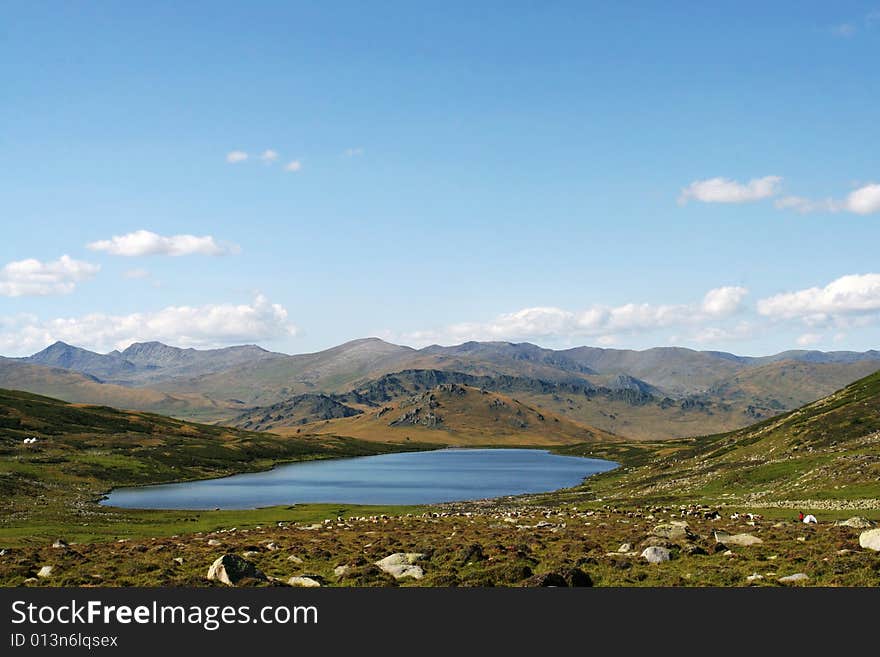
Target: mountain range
(666, 392)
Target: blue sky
(562, 173)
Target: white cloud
(864, 200)
(597, 322)
(185, 326)
(234, 157)
(353, 152)
(294, 165)
(809, 339)
(844, 30)
(724, 300)
(268, 156)
(34, 278)
(725, 190)
(144, 242)
(848, 295)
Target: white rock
(870, 540)
(294, 559)
(45, 571)
(306, 582)
(214, 542)
(402, 564)
(856, 522)
(740, 540)
(655, 554)
(754, 577)
(793, 579)
(625, 547)
(339, 571)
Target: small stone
(754, 577)
(249, 554)
(341, 571)
(305, 582)
(793, 579)
(213, 542)
(45, 571)
(178, 561)
(294, 559)
(625, 547)
(59, 544)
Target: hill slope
(457, 414)
(80, 388)
(827, 451)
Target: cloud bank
(34, 278)
(185, 326)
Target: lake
(445, 475)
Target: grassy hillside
(456, 414)
(827, 452)
(83, 451)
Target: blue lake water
(408, 478)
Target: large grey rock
(655, 554)
(870, 540)
(741, 540)
(402, 564)
(231, 569)
(856, 522)
(793, 579)
(677, 530)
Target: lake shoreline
(384, 478)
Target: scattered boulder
(625, 547)
(754, 577)
(304, 582)
(546, 580)
(341, 571)
(45, 571)
(231, 569)
(793, 579)
(693, 550)
(178, 561)
(402, 564)
(870, 540)
(60, 544)
(656, 554)
(856, 522)
(213, 542)
(677, 530)
(575, 577)
(473, 552)
(294, 559)
(740, 540)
